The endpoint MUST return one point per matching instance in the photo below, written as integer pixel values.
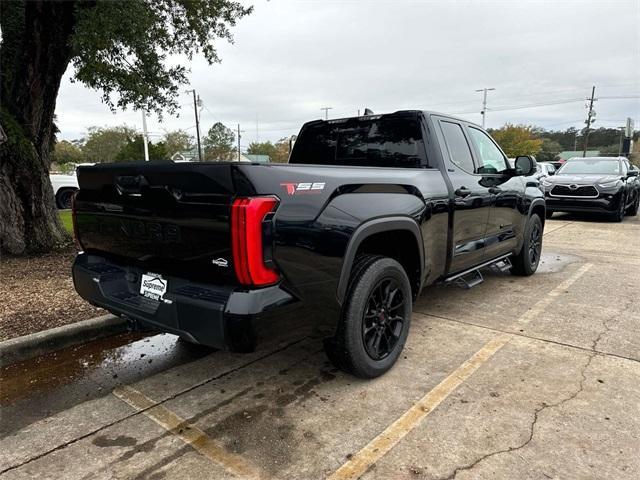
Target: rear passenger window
(457, 145)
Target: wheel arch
(538, 207)
(384, 236)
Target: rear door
(472, 200)
(505, 219)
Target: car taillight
(74, 221)
(247, 217)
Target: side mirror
(632, 173)
(525, 165)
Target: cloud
(291, 58)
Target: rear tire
(526, 262)
(375, 320)
(63, 198)
(633, 209)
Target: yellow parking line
(544, 302)
(384, 442)
(359, 463)
(189, 434)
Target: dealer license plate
(153, 286)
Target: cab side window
(459, 149)
(491, 158)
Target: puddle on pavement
(553, 262)
(41, 386)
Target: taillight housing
(247, 240)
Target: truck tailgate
(163, 217)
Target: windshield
(599, 166)
(376, 142)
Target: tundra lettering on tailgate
(135, 229)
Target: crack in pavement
(523, 335)
(538, 411)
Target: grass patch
(65, 218)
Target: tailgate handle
(130, 184)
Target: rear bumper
(604, 203)
(213, 315)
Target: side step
(470, 278)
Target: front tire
(375, 319)
(526, 262)
(619, 215)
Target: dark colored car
(594, 184)
(367, 212)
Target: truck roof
(397, 112)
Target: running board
(470, 278)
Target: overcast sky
(292, 57)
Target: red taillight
(74, 222)
(247, 215)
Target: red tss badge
(298, 188)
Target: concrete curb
(23, 348)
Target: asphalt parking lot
(517, 378)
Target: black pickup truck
(368, 211)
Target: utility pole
(239, 132)
(145, 136)
(484, 102)
(195, 111)
(326, 112)
(589, 120)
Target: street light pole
(484, 102)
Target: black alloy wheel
(526, 262)
(375, 318)
(383, 319)
(535, 244)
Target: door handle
(495, 190)
(462, 192)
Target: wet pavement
(516, 378)
(37, 388)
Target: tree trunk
(35, 52)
